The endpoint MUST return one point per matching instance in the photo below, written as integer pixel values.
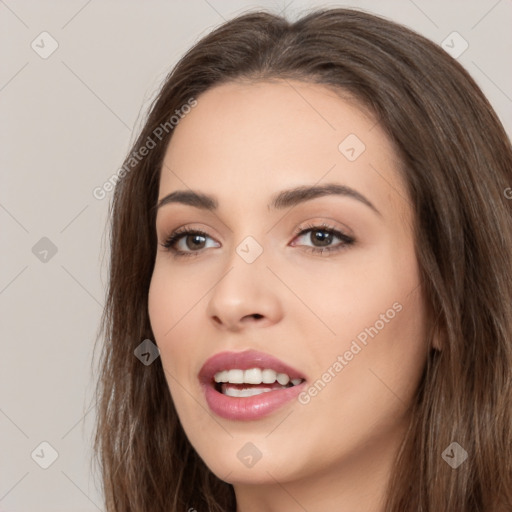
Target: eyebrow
(284, 199)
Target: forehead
(246, 140)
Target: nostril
(255, 316)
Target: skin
(243, 143)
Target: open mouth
(248, 385)
(251, 382)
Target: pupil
(323, 237)
(198, 240)
(320, 236)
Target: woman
(313, 228)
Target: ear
(438, 336)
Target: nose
(246, 295)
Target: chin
(247, 460)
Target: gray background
(66, 123)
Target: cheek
(401, 349)
(168, 304)
(392, 320)
(171, 299)
(174, 302)
(377, 311)
(167, 312)
(381, 353)
(160, 306)
(367, 381)
(352, 294)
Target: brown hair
(457, 163)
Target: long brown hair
(457, 163)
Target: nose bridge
(247, 258)
(244, 290)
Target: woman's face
(350, 320)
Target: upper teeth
(254, 376)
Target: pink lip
(246, 408)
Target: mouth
(248, 385)
(252, 382)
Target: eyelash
(182, 232)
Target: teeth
(254, 376)
(283, 379)
(245, 392)
(221, 376)
(268, 376)
(236, 376)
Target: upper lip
(244, 361)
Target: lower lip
(250, 407)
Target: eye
(185, 238)
(322, 237)
(191, 242)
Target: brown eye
(194, 241)
(322, 238)
(186, 242)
